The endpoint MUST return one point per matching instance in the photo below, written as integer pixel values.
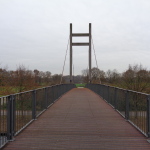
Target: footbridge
(66, 117)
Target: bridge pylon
(80, 44)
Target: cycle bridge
(65, 117)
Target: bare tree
(85, 75)
(136, 78)
(97, 75)
(47, 78)
(23, 79)
(113, 77)
(36, 76)
(56, 79)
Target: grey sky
(35, 33)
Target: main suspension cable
(64, 61)
(95, 57)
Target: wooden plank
(80, 44)
(80, 34)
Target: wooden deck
(80, 120)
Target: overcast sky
(35, 33)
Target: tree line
(135, 77)
(23, 79)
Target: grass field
(81, 85)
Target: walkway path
(80, 120)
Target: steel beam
(80, 34)
(70, 52)
(80, 44)
(90, 52)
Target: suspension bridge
(65, 117)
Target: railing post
(57, 92)
(127, 105)
(115, 98)
(148, 115)
(102, 91)
(55, 87)
(108, 94)
(34, 105)
(10, 118)
(46, 98)
(105, 92)
(97, 91)
(60, 90)
(62, 87)
(53, 94)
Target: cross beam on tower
(80, 44)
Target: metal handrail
(18, 110)
(133, 106)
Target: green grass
(80, 85)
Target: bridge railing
(133, 106)
(19, 110)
